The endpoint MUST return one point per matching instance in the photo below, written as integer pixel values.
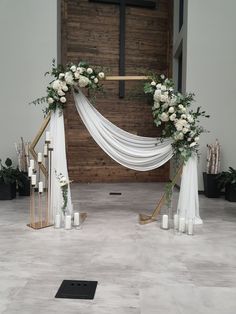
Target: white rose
(157, 95)
(180, 136)
(171, 89)
(63, 99)
(179, 124)
(185, 130)
(196, 139)
(171, 109)
(172, 117)
(189, 139)
(69, 78)
(158, 86)
(192, 144)
(73, 68)
(101, 75)
(156, 105)
(162, 76)
(164, 117)
(95, 80)
(89, 70)
(163, 87)
(184, 109)
(153, 83)
(163, 98)
(83, 81)
(65, 88)
(180, 106)
(190, 118)
(80, 70)
(60, 92)
(183, 116)
(50, 100)
(165, 105)
(77, 74)
(56, 84)
(61, 76)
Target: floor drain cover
(77, 289)
(115, 193)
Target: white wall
(28, 43)
(209, 67)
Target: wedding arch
(180, 134)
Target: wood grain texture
(90, 31)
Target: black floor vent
(115, 193)
(77, 289)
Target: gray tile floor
(139, 269)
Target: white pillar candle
(47, 136)
(164, 223)
(30, 172)
(45, 150)
(76, 219)
(40, 157)
(33, 179)
(51, 145)
(32, 163)
(182, 225)
(57, 222)
(190, 227)
(176, 221)
(68, 222)
(40, 187)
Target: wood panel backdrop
(90, 32)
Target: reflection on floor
(139, 269)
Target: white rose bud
(80, 70)
(153, 83)
(73, 68)
(163, 98)
(63, 99)
(158, 86)
(156, 105)
(171, 110)
(50, 100)
(196, 139)
(61, 76)
(164, 117)
(162, 76)
(180, 106)
(101, 75)
(184, 110)
(95, 80)
(89, 70)
(60, 92)
(183, 116)
(77, 74)
(172, 117)
(163, 88)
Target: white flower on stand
(89, 70)
(101, 75)
(156, 105)
(162, 76)
(73, 68)
(95, 80)
(80, 70)
(63, 99)
(65, 87)
(171, 110)
(61, 76)
(157, 95)
(77, 74)
(69, 78)
(83, 81)
(158, 86)
(173, 117)
(192, 144)
(190, 118)
(164, 117)
(56, 84)
(50, 100)
(153, 83)
(60, 92)
(196, 139)
(163, 88)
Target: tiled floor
(139, 269)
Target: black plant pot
(24, 189)
(7, 191)
(230, 192)
(211, 188)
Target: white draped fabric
(132, 151)
(188, 204)
(59, 162)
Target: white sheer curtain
(59, 163)
(132, 151)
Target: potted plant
(8, 177)
(23, 182)
(227, 180)
(211, 188)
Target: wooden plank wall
(90, 31)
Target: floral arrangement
(72, 76)
(172, 111)
(64, 184)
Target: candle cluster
(67, 221)
(181, 225)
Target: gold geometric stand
(146, 219)
(39, 225)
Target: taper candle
(40, 187)
(45, 150)
(164, 223)
(190, 227)
(76, 219)
(32, 163)
(176, 221)
(47, 136)
(40, 157)
(68, 222)
(30, 172)
(33, 179)
(182, 224)
(57, 222)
